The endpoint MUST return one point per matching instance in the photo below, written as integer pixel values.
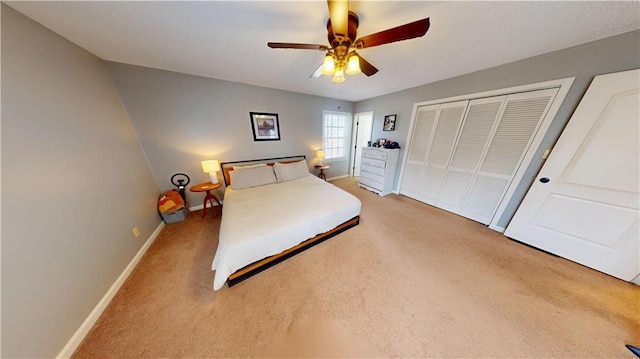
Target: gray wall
(617, 53)
(183, 119)
(74, 183)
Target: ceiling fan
(341, 56)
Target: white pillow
(252, 177)
(290, 171)
(235, 168)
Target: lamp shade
(353, 66)
(339, 75)
(320, 155)
(210, 166)
(328, 66)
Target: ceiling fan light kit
(341, 56)
(337, 68)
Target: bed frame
(258, 266)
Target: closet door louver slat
(520, 120)
(475, 133)
(445, 136)
(422, 133)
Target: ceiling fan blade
(366, 67)
(339, 16)
(287, 45)
(403, 32)
(317, 73)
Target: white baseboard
(636, 280)
(88, 323)
(337, 177)
(199, 207)
(196, 208)
(498, 228)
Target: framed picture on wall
(389, 123)
(265, 126)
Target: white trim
(196, 208)
(335, 160)
(563, 86)
(337, 178)
(505, 91)
(636, 280)
(405, 153)
(199, 207)
(497, 228)
(88, 323)
(355, 126)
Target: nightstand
(322, 168)
(207, 187)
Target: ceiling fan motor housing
(339, 40)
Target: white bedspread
(262, 221)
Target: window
(334, 135)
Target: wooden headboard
(227, 167)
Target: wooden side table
(207, 187)
(322, 168)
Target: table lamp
(320, 155)
(211, 167)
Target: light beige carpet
(409, 281)
(316, 336)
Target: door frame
(354, 136)
(563, 86)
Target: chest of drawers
(378, 169)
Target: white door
(584, 204)
(507, 146)
(444, 137)
(472, 139)
(363, 125)
(419, 145)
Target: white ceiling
(228, 39)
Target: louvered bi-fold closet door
(434, 133)
(444, 137)
(473, 139)
(493, 140)
(418, 146)
(522, 116)
(464, 155)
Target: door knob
(544, 180)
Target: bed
(276, 210)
